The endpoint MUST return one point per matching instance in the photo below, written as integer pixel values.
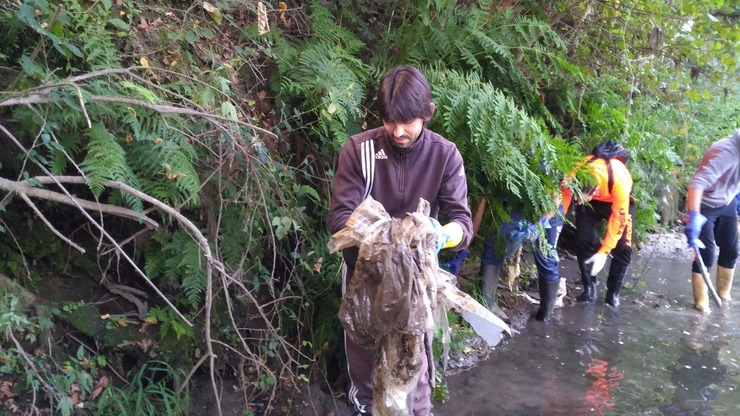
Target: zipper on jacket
(402, 173)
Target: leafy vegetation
(182, 159)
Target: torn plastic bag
(364, 226)
(523, 232)
(484, 322)
(393, 288)
(398, 362)
(396, 292)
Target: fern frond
(166, 170)
(325, 27)
(185, 262)
(498, 139)
(139, 91)
(106, 161)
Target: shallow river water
(654, 356)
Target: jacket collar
(417, 144)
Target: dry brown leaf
(283, 7)
(75, 395)
(100, 385)
(142, 24)
(5, 390)
(263, 25)
(14, 409)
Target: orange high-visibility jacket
(618, 196)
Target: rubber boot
(613, 286)
(490, 274)
(701, 294)
(589, 290)
(724, 282)
(548, 294)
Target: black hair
(404, 95)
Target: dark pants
(588, 218)
(720, 230)
(545, 257)
(360, 363)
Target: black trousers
(720, 231)
(588, 219)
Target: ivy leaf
(27, 15)
(74, 49)
(119, 24)
(191, 37)
(31, 68)
(228, 110)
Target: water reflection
(698, 372)
(655, 356)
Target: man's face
(404, 133)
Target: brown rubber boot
(701, 295)
(724, 282)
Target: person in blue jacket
(505, 242)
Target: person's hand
(456, 261)
(441, 235)
(449, 235)
(441, 239)
(694, 222)
(545, 222)
(598, 260)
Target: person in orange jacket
(607, 198)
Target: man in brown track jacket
(397, 164)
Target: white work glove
(598, 260)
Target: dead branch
(19, 348)
(129, 293)
(23, 188)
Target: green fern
(498, 141)
(324, 75)
(185, 262)
(325, 27)
(106, 161)
(166, 168)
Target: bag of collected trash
(393, 286)
(396, 294)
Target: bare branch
(19, 348)
(48, 224)
(22, 188)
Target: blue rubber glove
(545, 222)
(694, 222)
(456, 261)
(441, 235)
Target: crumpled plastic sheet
(523, 232)
(396, 294)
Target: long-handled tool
(705, 276)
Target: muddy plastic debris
(396, 295)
